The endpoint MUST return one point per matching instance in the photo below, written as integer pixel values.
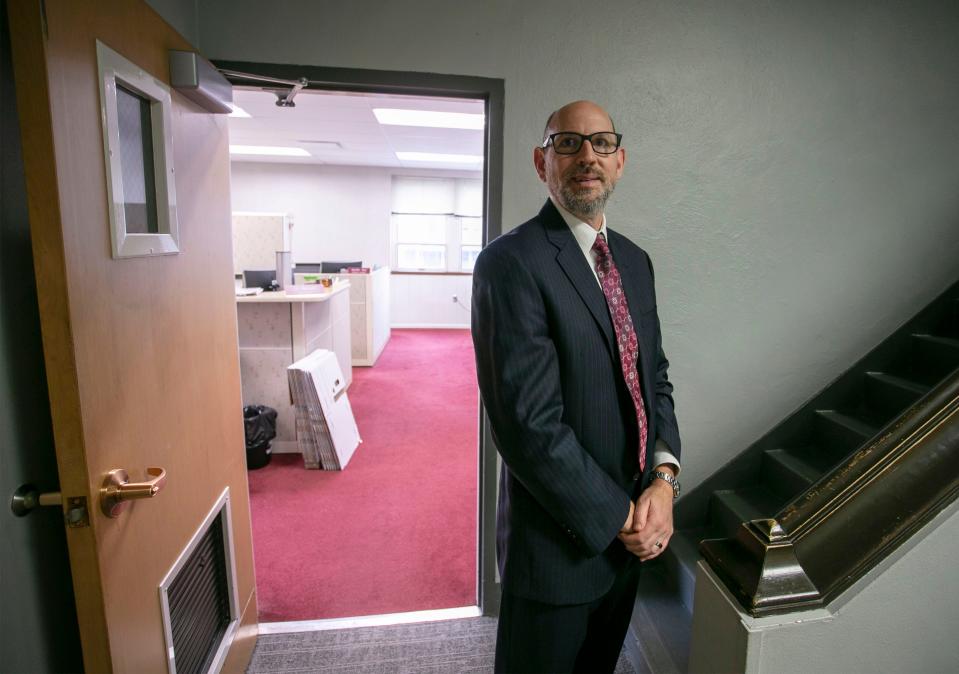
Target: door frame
(492, 92)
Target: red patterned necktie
(626, 339)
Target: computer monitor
(335, 267)
(255, 278)
(308, 268)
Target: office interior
(354, 215)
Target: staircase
(786, 462)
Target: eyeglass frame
(582, 139)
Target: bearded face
(581, 181)
(582, 190)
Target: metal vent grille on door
(198, 597)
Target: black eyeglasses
(569, 142)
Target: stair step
(728, 508)
(840, 434)
(661, 623)
(934, 357)
(786, 474)
(680, 560)
(890, 395)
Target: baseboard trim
(370, 620)
(429, 326)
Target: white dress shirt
(585, 236)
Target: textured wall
(181, 14)
(791, 167)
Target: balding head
(555, 119)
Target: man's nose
(586, 155)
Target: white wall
(343, 213)
(339, 212)
(791, 166)
(427, 301)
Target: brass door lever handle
(117, 490)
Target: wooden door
(141, 352)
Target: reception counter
(277, 328)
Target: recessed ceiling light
(440, 158)
(269, 150)
(238, 111)
(439, 120)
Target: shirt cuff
(662, 454)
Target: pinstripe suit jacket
(561, 416)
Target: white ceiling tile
(347, 119)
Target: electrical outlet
(455, 299)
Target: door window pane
(136, 162)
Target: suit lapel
(574, 265)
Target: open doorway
(401, 528)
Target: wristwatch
(669, 479)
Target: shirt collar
(583, 232)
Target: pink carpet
(396, 530)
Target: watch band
(668, 479)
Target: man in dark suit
(574, 380)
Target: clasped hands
(650, 521)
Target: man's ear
(539, 161)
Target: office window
(420, 241)
(436, 224)
(471, 240)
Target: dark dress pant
(537, 637)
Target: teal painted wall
(791, 167)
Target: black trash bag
(259, 423)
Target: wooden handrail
(852, 518)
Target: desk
(275, 329)
(369, 312)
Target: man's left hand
(652, 521)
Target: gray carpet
(442, 647)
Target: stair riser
(836, 439)
(723, 522)
(780, 478)
(933, 360)
(888, 399)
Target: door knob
(117, 490)
(27, 497)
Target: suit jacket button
(636, 476)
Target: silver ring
(659, 544)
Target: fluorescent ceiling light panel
(440, 158)
(269, 150)
(238, 111)
(431, 118)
